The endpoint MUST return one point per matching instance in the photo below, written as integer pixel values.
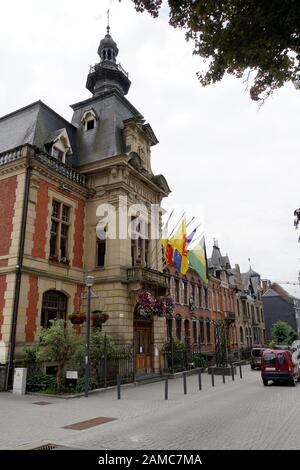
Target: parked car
(277, 365)
(255, 359)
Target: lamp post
(89, 281)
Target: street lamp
(89, 281)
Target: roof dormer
(89, 119)
(58, 145)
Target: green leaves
(238, 37)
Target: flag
(179, 244)
(168, 250)
(178, 256)
(198, 260)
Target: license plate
(270, 368)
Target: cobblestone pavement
(242, 414)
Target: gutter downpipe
(19, 267)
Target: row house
(191, 321)
(249, 308)
(222, 294)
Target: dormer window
(58, 145)
(58, 154)
(90, 124)
(89, 119)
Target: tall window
(202, 339)
(241, 335)
(178, 328)
(200, 296)
(208, 332)
(100, 250)
(193, 292)
(238, 306)
(54, 306)
(195, 338)
(177, 290)
(140, 246)
(185, 296)
(59, 234)
(206, 297)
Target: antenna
(108, 27)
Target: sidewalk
(144, 419)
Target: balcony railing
(147, 275)
(45, 159)
(229, 316)
(10, 155)
(108, 65)
(61, 168)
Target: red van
(277, 365)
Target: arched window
(241, 335)
(54, 306)
(202, 337)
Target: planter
(77, 319)
(99, 318)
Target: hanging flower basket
(99, 318)
(145, 304)
(159, 307)
(170, 305)
(77, 318)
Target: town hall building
(54, 175)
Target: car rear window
(256, 352)
(270, 358)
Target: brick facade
(8, 188)
(3, 286)
(32, 309)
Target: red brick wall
(40, 225)
(2, 300)
(77, 304)
(41, 228)
(32, 309)
(7, 201)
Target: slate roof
(34, 124)
(270, 293)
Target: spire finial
(108, 27)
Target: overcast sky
(233, 165)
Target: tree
(283, 333)
(255, 39)
(58, 344)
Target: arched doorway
(54, 306)
(143, 339)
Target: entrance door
(143, 346)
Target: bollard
(223, 378)
(119, 386)
(184, 383)
(167, 388)
(232, 372)
(241, 375)
(212, 377)
(200, 379)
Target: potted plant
(77, 318)
(99, 318)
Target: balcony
(229, 316)
(147, 276)
(51, 162)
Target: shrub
(40, 381)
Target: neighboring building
(191, 322)
(222, 296)
(53, 176)
(279, 305)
